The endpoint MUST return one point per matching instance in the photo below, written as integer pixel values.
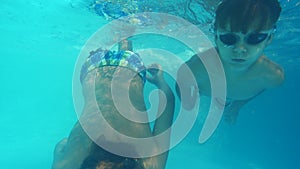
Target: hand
(156, 75)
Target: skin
(72, 151)
(248, 72)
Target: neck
(232, 70)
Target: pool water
(40, 42)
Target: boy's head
(243, 29)
(245, 15)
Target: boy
(243, 29)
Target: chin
(238, 67)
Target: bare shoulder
(195, 63)
(194, 68)
(273, 73)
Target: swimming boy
(243, 29)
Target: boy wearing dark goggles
(243, 29)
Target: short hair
(242, 15)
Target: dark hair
(242, 15)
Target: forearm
(238, 103)
(186, 87)
(163, 122)
(231, 110)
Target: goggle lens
(256, 38)
(229, 39)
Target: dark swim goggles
(251, 39)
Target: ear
(216, 36)
(215, 32)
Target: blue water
(40, 42)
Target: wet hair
(243, 15)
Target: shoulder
(196, 62)
(202, 55)
(273, 73)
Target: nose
(240, 48)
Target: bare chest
(236, 88)
(244, 88)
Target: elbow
(188, 97)
(280, 77)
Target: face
(239, 51)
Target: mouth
(238, 60)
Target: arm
(186, 86)
(165, 120)
(231, 110)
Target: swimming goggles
(230, 39)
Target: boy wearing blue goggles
(243, 29)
